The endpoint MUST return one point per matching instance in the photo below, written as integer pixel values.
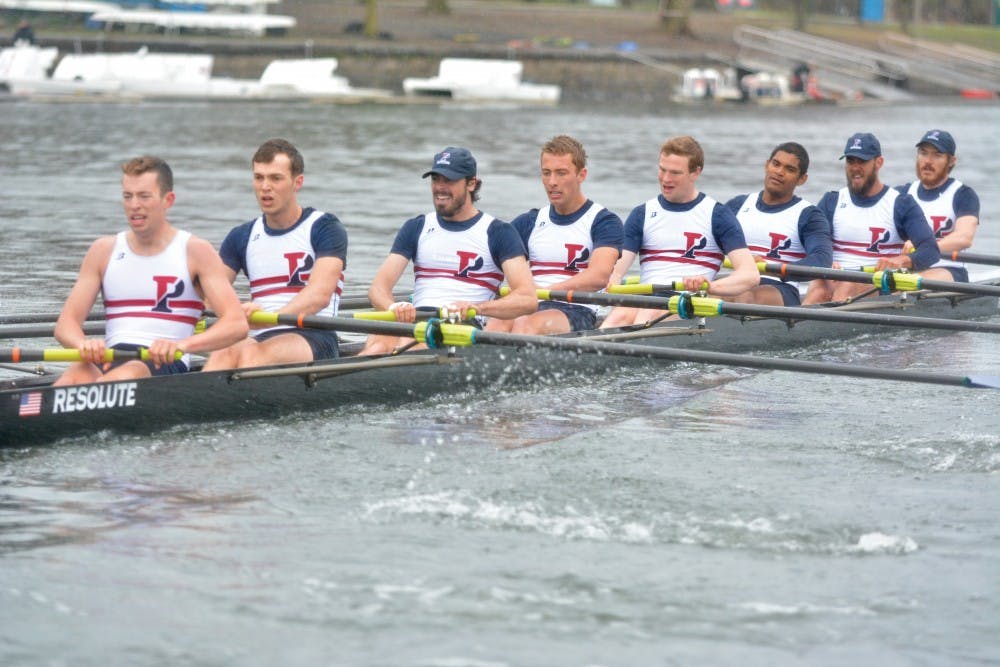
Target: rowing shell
(33, 412)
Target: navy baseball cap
(453, 163)
(940, 140)
(862, 145)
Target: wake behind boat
(33, 412)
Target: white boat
(477, 80)
(175, 76)
(710, 85)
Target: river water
(675, 515)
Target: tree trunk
(371, 18)
(801, 13)
(675, 16)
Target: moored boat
(33, 412)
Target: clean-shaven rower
(780, 226)
(573, 243)
(294, 258)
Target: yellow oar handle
(59, 354)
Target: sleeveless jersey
(861, 234)
(940, 213)
(279, 267)
(677, 244)
(557, 252)
(773, 234)
(454, 265)
(146, 298)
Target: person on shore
(573, 243)
(460, 256)
(870, 223)
(24, 33)
(682, 234)
(154, 280)
(294, 258)
(780, 226)
(951, 207)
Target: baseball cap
(940, 140)
(862, 145)
(453, 163)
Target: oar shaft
(707, 307)
(974, 258)
(903, 281)
(17, 355)
(45, 330)
(460, 334)
(41, 318)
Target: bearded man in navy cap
(870, 224)
(951, 207)
(460, 256)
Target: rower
(951, 207)
(573, 243)
(153, 279)
(294, 258)
(870, 223)
(782, 227)
(682, 233)
(460, 256)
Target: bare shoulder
(201, 253)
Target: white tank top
(454, 265)
(940, 213)
(774, 235)
(279, 267)
(862, 234)
(149, 297)
(557, 252)
(677, 244)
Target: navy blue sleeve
(736, 203)
(505, 242)
(633, 229)
(966, 202)
(727, 230)
(911, 223)
(234, 247)
(525, 224)
(329, 238)
(607, 231)
(814, 230)
(827, 205)
(405, 243)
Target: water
(675, 515)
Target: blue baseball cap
(453, 163)
(862, 145)
(940, 140)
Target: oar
(45, 330)
(41, 318)
(973, 258)
(17, 354)
(438, 334)
(688, 306)
(887, 281)
(348, 302)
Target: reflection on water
(51, 510)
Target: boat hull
(32, 412)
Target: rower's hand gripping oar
(436, 334)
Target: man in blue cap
(871, 223)
(951, 207)
(460, 256)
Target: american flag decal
(31, 404)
